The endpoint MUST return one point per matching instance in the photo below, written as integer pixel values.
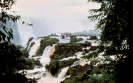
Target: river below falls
(41, 73)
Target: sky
(55, 16)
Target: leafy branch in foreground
(113, 21)
(12, 58)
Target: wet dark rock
(93, 62)
(38, 72)
(39, 66)
(38, 58)
(78, 68)
(92, 38)
(44, 74)
(93, 48)
(31, 80)
(76, 63)
(37, 78)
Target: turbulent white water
(45, 60)
(35, 47)
(50, 79)
(41, 73)
(46, 54)
(78, 56)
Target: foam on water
(35, 47)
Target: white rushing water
(50, 79)
(41, 73)
(35, 47)
(45, 60)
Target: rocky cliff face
(80, 72)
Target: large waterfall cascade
(21, 32)
(42, 73)
(45, 76)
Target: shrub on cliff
(32, 44)
(45, 42)
(54, 57)
(74, 40)
(92, 38)
(53, 65)
(90, 55)
(66, 50)
(58, 65)
(28, 43)
(66, 63)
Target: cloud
(58, 15)
(39, 7)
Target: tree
(5, 34)
(113, 17)
(8, 51)
(9, 54)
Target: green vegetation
(28, 43)
(107, 75)
(92, 38)
(24, 61)
(62, 51)
(45, 37)
(28, 63)
(65, 50)
(66, 63)
(13, 59)
(112, 19)
(45, 42)
(58, 65)
(74, 40)
(90, 55)
(99, 74)
(77, 79)
(53, 34)
(78, 74)
(12, 56)
(32, 44)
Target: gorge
(52, 69)
(64, 60)
(71, 54)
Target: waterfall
(63, 73)
(35, 47)
(25, 30)
(50, 79)
(21, 32)
(41, 72)
(45, 60)
(46, 54)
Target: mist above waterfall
(56, 16)
(21, 32)
(40, 27)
